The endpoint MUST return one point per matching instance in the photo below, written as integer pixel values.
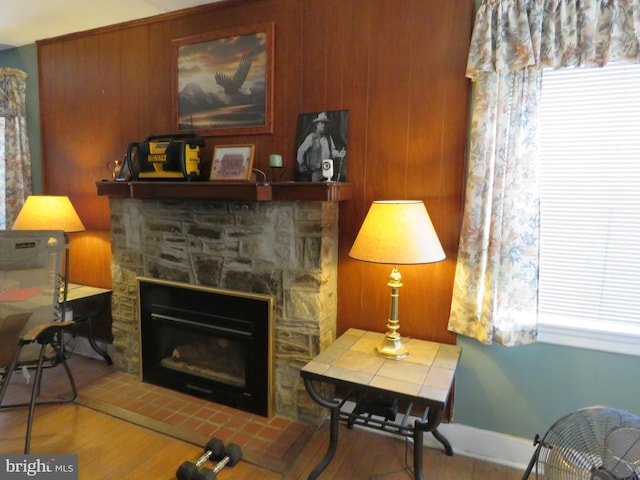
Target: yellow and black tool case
(166, 157)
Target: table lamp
(397, 232)
(49, 212)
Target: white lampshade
(397, 232)
(48, 212)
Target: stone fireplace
(287, 249)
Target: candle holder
(275, 162)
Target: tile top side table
(425, 378)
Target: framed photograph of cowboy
(321, 146)
(223, 81)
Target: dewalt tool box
(165, 157)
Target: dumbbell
(194, 471)
(232, 455)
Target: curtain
(496, 282)
(15, 159)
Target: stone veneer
(286, 249)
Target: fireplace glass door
(211, 343)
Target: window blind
(589, 153)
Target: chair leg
(63, 360)
(35, 390)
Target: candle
(275, 160)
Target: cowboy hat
(322, 117)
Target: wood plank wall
(396, 65)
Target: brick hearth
(272, 443)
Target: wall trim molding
(485, 445)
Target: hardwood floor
(110, 448)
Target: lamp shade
(398, 232)
(48, 212)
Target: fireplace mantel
(248, 191)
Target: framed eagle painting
(223, 81)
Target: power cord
(407, 466)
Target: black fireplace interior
(211, 343)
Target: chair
(32, 303)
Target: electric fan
(593, 443)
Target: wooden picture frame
(222, 82)
(232, 163)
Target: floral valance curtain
(495, 290)
(15, 159)
(510, 35)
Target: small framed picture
(232, 163)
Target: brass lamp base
(392, 348)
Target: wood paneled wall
(396, 65)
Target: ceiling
(25, 21)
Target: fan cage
(594, 443)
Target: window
(589, 151)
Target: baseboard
(485, 445)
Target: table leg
(94, 345)
(334, 407)
(443, 440)
(418, 438)
(82, 318)
(434, 417)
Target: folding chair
(32, 306)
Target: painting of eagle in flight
(233, 84)
(224, 83)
